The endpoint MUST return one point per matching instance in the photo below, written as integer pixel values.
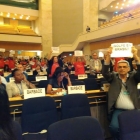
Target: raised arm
(137, 59)
(105, 71)
(73, 59)
(49, 55)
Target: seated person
(60, 80)
(37, 70)
(6, 68)
(16, 88)
(9, 129)
(20, 67)
(3, 80)
(69, 68)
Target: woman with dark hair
(37, 70)
(9, 130)
(16, 88)
(6, 68)
(60, 80)
(53, 63)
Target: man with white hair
(20, 67)
(123, 94)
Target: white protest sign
(78, 53)
(32, 63)
(2, 50)
(121, 50)
(20, 57)
(55, 49)
(82, 76)
(11, 79)
(26, 57)
(32, 93)
(30, 73)
(12, 52)
(39, 78)
(76, 89)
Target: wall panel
(135, 39)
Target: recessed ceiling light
(116, 7)
(15, 14)
(118, 3)
(27, 18)
(8, 15)
(20, 17)
(111, 6)
(122, 3)
(1, 14)
(124, 0)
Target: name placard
(78, 53)
(30, 73)
(11, 79)
(32, 93)
(76, 89)
(121, 50)
(39, 78)
(82, 76)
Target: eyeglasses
(122, 67)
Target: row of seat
(39, 113)
(122, 17)
(23, 30)
(90, 83)
(87, 128)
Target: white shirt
(3, 80)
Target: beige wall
(67, 20)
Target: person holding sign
(123, 94)
(79, 63)
(60, 81)
(53, 63)
(16, 88)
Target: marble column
(44, 25)
(90, 14)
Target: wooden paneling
(20, 46)
(135, 39)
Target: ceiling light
(27, 18)
(116, 7)
(122, 3)
(1, 14)
(111, 6)
(15, 14)
(20, 17)
(8, 15)
(124, 0)
(118, 3)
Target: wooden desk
(95, 97)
